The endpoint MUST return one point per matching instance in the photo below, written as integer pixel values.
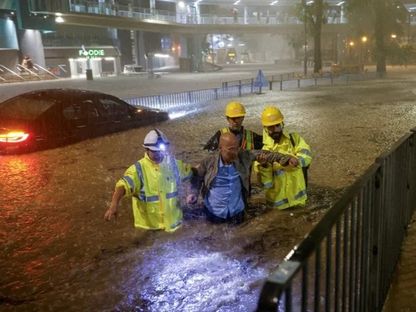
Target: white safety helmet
(156, 141)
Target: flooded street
(58, 253)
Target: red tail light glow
(13, 137)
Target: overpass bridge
(160, 24)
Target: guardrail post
(281, 85)
(316, 81)
(376, 221)
(159, 101)
(239, 89)
(189, 97)
(298, 83)
(271, 85)
(216, 93)
(252, 85)
(332, 79)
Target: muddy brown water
(57, 252)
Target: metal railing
(5, 71)
(347, 261)
(26, 71)
(184, 17)
(185, 100)
(44, 71)
(293, 80)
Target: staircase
(22, 73)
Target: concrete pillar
(31, 45)
(138, 48)
(195, 47)
(134, 47)
(8, 34)
(184, 46)
(141, 49)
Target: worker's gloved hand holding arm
(117, 196)
(293, 161)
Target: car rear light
(13, 137)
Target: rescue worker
(224, 179)
(248, 140)
(152, 183)
(285, 184)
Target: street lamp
(363, 54)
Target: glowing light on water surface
(179, 278)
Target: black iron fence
(185, 100)
(347, 261)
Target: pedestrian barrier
(185, 100)
(347, 261)
(290, 81)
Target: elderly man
(225, 179)
(152, 183)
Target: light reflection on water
(188, 277)
(29, 225)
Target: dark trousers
(236, 219)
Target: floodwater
(59, 254)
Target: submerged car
(52, 117)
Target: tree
(380, 18)
(312, 14)
(316, 23)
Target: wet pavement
(59, 254)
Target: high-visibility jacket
(247, 140)
(154, 192)
(285, 185)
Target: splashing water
(193, 278)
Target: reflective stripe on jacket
(247, 141)
(285, 185)
(154, 192)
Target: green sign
(91, 53)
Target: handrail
(63, 69)
(37, 66)
(91, 7)
(22, 68)
(368, 226)
(12, 72)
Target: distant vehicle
(133, 69)
(231, 57)
(52, 117)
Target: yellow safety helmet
(271, 116)
(235, 109)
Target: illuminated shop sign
(91, 53)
